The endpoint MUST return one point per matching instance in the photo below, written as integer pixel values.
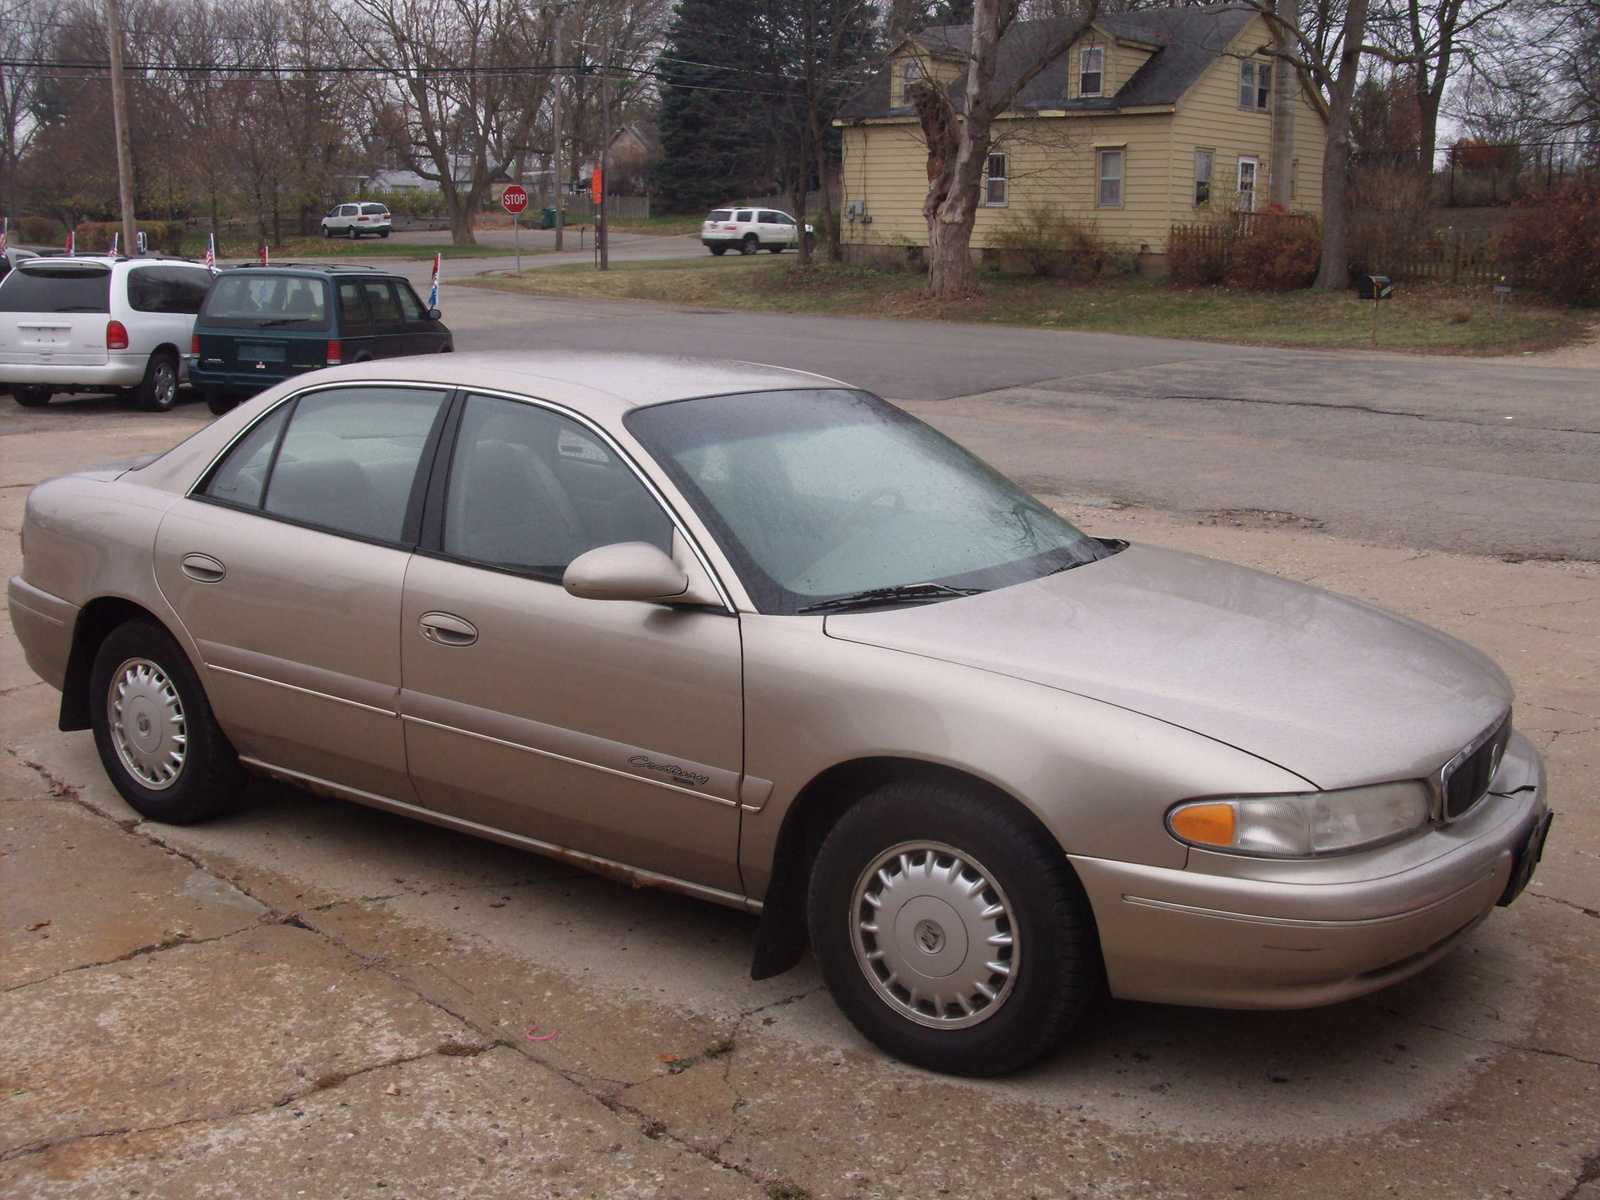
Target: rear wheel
(352, 234)
(749, 244)
(30, 396)
(383, 233)
(221, 402)
(775, 249)
(719, 249)
(154, 730)
(158, 391)
(951, 929)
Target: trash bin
(549, 218)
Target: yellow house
(1149, 118)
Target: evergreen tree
(713, 144)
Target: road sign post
(514, 199)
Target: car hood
(1336, 690)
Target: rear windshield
(721, 214)
(57, 290)
(254, 301)
(375, 210)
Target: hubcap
(934, 934)
(166, 384)
(147, 724)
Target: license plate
(252, 353)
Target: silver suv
(99, 325)
(750, 230)
(354, 220)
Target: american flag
(112, 253)
(263, 256)
(211, 251)
(5, 229)
(71, 247)
(433, 296)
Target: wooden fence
(1446, 256)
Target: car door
(422, 335)
(355, 323)
(389, 337)
(286, 567)
(609, 727)
(166, 299)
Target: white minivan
(354, 220)
(99, 325)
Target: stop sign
(514, 199)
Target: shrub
(94, 237)
(1391, 219)
(1277, 252)
(1552, 243)
(1050, 243)
(41, 231)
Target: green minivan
(260, 325)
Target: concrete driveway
(315, 999)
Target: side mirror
(433, 314)
(625, 571)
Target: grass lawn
(320, 247)
(1431, 318)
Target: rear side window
(57, 290)
(344, 460)
(352, 307)
(744, 214)
(721, 214)
(168, 289)
(248, 300)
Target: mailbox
(1375, 287)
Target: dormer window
(1091, 70)
(1255, 86)
(910, 72)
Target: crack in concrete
(171, 943)
(1587, 1174)
(1588, 912)
(1486, 1041)
(786, 1000)
(1363, 408)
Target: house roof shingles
(1188, 40)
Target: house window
(1247, 183)
(1091, 70)
(1255, 85)
(995, 183)
(1110, 179)
(1202, 177)
(910, 72)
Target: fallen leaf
(666, 1058)
(38, 925)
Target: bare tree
(959, 129)
(27, 32)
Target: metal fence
(1472, 172)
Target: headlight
(1303, 824)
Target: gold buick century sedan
(761, 637)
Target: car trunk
(56, 314)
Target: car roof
(601, 385)
(357, 269)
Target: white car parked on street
(99, 325)
(354, 220)
(750, 230)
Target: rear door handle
(447, 629)
(203, 568)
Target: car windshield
(819, 495)
(253, 301)
(62, 289)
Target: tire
(749, 244)
(383, 233)
(326, 232)
(221, 402)
(719, 251)
(158, 391)
(352, 234)
(30, 395)
(157, 739)
(873, 862)
(775, 249)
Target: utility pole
(555, 126)
(119, 116)
(1286, 87)
(603, 228)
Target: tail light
(334, 356)
(194, 345)
(116, 336)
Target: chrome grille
(1465, 779)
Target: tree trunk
(1334, 273)
(797, 201)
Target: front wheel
(30, 396)
(158, 391)
(154, 730)
(326, 232)
(951, 929)
(749, 244)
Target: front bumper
(62, 377)
(1234, 932)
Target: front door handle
(447, 630)
(203, 568)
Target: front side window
(1110, 193)
(530, 490)
(818, 494)
(1202, 177)
(381, 303)
(996, 183)
(410, 305)
(1255, 86)
(344, 460)
(1091, 70)
(246, 299)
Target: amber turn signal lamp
(1208, 824)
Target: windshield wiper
(905, 593)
